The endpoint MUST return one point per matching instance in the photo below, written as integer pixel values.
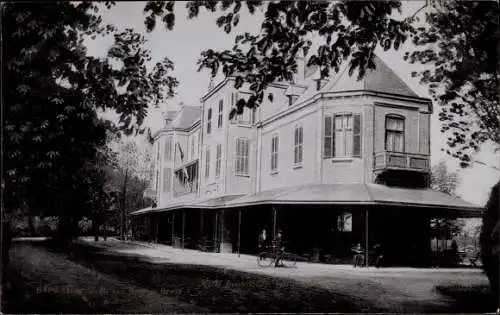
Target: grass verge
(216, 289)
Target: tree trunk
(124, 202)
(31, 226)
(95, 227)
(105, 236)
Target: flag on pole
(180, 152)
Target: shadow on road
(219, 290)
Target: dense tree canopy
(490, 239)
(349, 28)
(51, 92)
(54, 88)
(444, 181)
(460, 44)
(460, 52)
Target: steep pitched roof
(382, 79)
(186, 117)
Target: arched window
(394, 133)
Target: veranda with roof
(331, 163)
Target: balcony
(401, 161)
(186, 179)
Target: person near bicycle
(279, 248)
(262, 240)
(358, 255)
(377, 255)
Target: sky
(189, 38)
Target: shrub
(489, 238)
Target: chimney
(301, 66)
(211, 84)
(168, 116)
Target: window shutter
(219, 117)
(328, 150)
(237, 156)
(301, 142)
(209, 121)
(356, 141)
(272, 153)
(333, 136)
(277, 152)
(166, 180)
(246, 156)
(207, 162)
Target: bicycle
(269, 258)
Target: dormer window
(394, 133)
(292, 93)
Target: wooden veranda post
(156, 231)
(274, 222)
(366, 239)
(239, 231)
(183, 227)
(173, 229)
(216, 231)
(222, 229)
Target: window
(247, 117)
(157, 186)
(394, 134)
(218, 160)
(209, 121)
(292, 99)
(298, 141)
(219, 118)
(344, 222)
(242, 156)
(166, 179)
(207, 162)
(342, 137)
(168, 149)
(274, 154)
(158, 151)
(186, 180)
